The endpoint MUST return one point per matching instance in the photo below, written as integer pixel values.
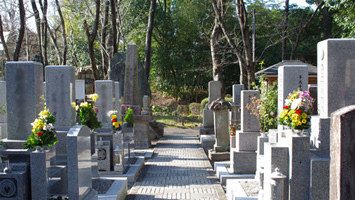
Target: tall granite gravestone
(214, 92)
(24, 88)
(336, 73)
(342, 154)
(131, 95)
(290, 78)
(3, 120)
(60, 94)
(105, 91)
(79, 163)
(235, 113)
(117, 96)
(243, 156)
(117, 73)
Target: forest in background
(182, 44)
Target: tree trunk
(216, 61)
(114, 28)
(104, 51)
(91, 39)
(148, 40)
(21, 31)
(284, 33)
(327, 19)
(6, 50)
(64, 37)
(38, 27)
(44, 8)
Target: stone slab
(14, 185)
(275, 156)
(246, 141)
(38, 175)
(207, 141)
(131, 76)
(79, 89)
(207, 118)
(342, 154)
(117, 191)
(299, 169)
(319, 178)
(236, 92)
(103, 156)
(214, 90)
(79, 162)
(141, 138)
(60, 94)
(206, 131)
(262, 139)
(221, 130)
(249, 122)
(335, 72)
(243, 162)
(320, 136)
(24, 88)
(218, 156)
(104, 89)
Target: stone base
(206, 131)
(141, 134)
(246, 141)
(319, 178)
(220, 148)
(243, 162)
(207, 141)
(13, 144)
(218, 156)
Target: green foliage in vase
(129, 118)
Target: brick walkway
(178, 170)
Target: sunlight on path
(178, 170)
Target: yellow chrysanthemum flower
(304, 115)
(73, 104)
(114, 116)
(304, 121)
(94, 97)
(114, 124)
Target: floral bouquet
(297, 111)
(116, 125)
(88, 113)
(43, 131)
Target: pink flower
(96, 110)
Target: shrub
(129, 118)
(183, 110)
(203, 104)
(194, 108)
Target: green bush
(203, 104)
(183, 110)
(194, 108)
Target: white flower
(296, 103)
(288, 101)
(111, 112)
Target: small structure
(270, 73)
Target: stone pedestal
(246, 141)
(141, 137)
(221, 130)
(244, 162)
(103, 156)
(38, 175)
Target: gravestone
(14, 185)
(117, 73)
(24, 88)
(214, 92)
(336, 73)
(146, 105)
(79, 89)
(105, 91)
(342, 154)
(237, 89)
(131, 76)
(60, 94)
(3, 120)
(243, 156)
(79, 163)
(117, 97)
(290, 78)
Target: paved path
(179, 170)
